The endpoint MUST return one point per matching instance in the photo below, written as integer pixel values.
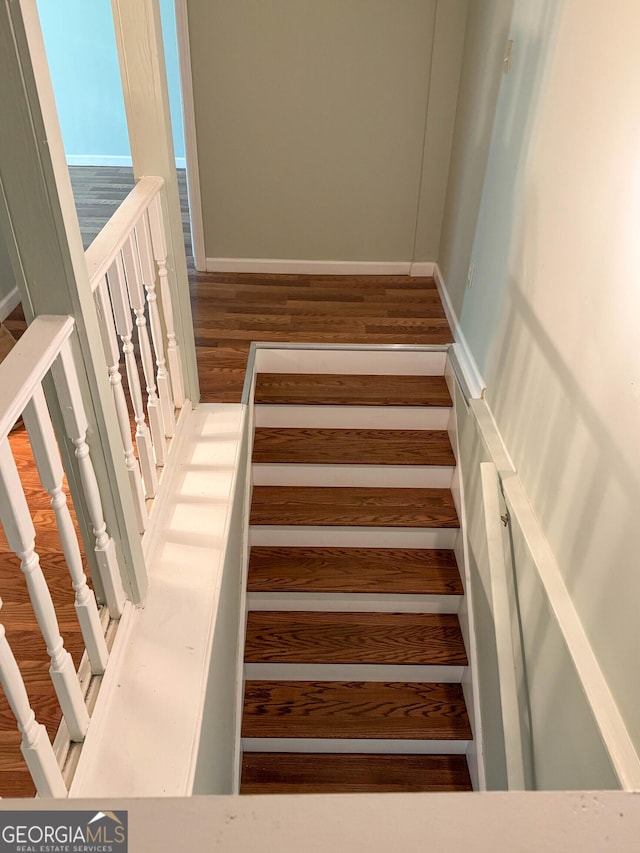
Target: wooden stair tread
(355, 709)
(354, 638)
(342, 390)
(403, 571)
(352, 507)
(318, 773)
(352, 446)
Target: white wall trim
(110, 160)
(474, 379)
(610, 722)
(8, 303)
(422, 268)
(304, 267)
(191, 148)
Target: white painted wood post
(21, 536)
(159, 244)
(131, 259)
(37, 199)
(138, 30)
(124, 327)
(112, 356)
(49, 464)
(149, 279)
(36, 746)
(75, 420)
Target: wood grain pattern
(319, 773)
(357, 709)
(341, 390)
(352, 638)
(405, 571)
(352, 446)
(352, 507)
(230, 310)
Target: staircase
(354, 654)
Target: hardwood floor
(230, 311)
(304, 773)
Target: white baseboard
(8, 303)
(422, 268)
(474, 379)
(303, 267)
(110, 160)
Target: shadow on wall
(487, 29)
(581, 483)
(532, 31)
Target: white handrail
(46, 347)
(127, 265)
(501, 607)
(611, 725)
(27, 365)
(102, 252)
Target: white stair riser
(352, 417)
(350, 361)
(347, 745)
(353, 537)
(353, 672)
(374, 476)
(348, 602)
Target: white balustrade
(20, 532)
(131, 259)
(159, 244)
(112, 355)
(124, 328)
(127, 264)
(36, 746)
(47, 457)
(46, 348)
(149, 279)
(76, 425)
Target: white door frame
(191, 149)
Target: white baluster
(112, 355)
(149, 279)
(160, 254)
(133, 274)
(49, 464)
(21, 536)
(36, 746)
(76, 425)
(124, 327)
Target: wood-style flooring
(230, 311)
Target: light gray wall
(311, 119)
(485, 38)
(448, 42)
(562, 747)
(552, 316)
(7, 280)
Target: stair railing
(45, 348)
(127, 264)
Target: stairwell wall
(552, 316)
(322, 126)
